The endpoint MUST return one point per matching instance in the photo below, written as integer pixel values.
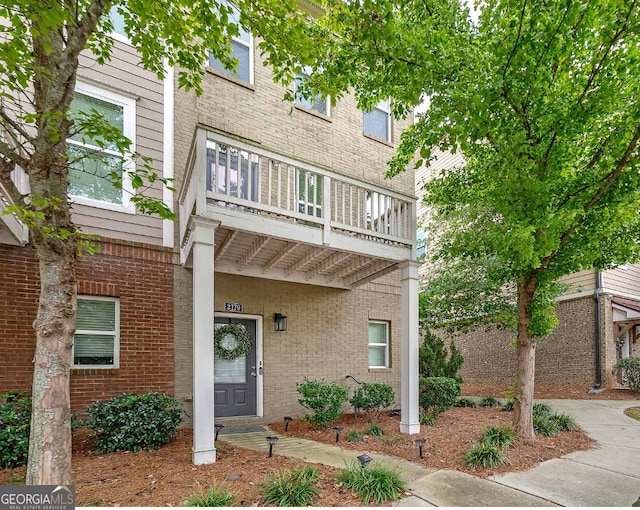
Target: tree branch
(78, 36)
(598, 65)
(6, 167)
(610, 179)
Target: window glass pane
(242, 53)
(96, 315)
(90, 175)
(230, 371)
(377, 356)
(377, 333)
(93, 349)
(376, 123)
(317, 103)
(117, 20)
(113, 114)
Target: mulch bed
(447, 442)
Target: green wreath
(231, 341)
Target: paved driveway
(608, 475)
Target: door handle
(254, 374)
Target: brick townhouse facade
(283, 211)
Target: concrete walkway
(606, 476)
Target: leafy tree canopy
(542, 99)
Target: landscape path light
(420, 444)
(287, 420)
(337, 429)
(364, 459)
(218, 428)
(271, 440)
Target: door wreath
(231, 341)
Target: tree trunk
(50, 439)
(523, 397)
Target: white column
(409, 415)
(203, 232)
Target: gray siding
(124, 75)
(623, 279)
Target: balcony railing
(19, 231)
(228, 173)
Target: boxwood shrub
(133, 422)
(15, 424)
(324, 398)
(438, 394)
(373, 396)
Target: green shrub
(563, 421)
(134, 422)
(325, 399)
(438, 394)
(544, 425)
(434, 360)
(630, 372)
(374, 430)
(354, 437)
(489, 402)
(214, 497)
(541, 409)
(485, 456)
(508, 405)
(375, 483)
(15, 424)
(465, 402)
(291, 488)
(373, 396)
(500, 437)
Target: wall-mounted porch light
(280, 321)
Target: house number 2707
(233, 307)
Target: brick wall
(326, 335)
(141, 276)
(566, 357)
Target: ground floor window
(378, 344)
(96, 341)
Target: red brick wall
(140, 275)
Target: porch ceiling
(263, 256)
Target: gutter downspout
(598, 387)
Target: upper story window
(378, 344)
(94, 165)
(117, 20)
(96, 341)
(377, 122)
(241, 49)
(318, 103)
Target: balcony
(286, 219)
(12, 230)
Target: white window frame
(116, 334)
(377, 344)
(306, 72)
(384, 107)
(128, 105)
(238, 40)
